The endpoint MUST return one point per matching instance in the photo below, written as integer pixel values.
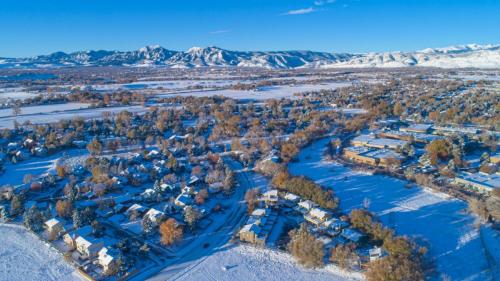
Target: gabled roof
(307, 204)
(292, 197)
(260, 212)
(106, 256)
(136, 207)
(271, 193)
(87, 241)
(318, 213)
(52, 222)
(153, 214)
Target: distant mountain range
(461, 56)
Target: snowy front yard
(24, 257)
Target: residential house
(305, 206)
(88, 246)
(352, 235)
(251, 233)
(375, 253)
(183, 200)
(54, 227)
(108, 259)
(70, 237)
(291, 200)
(136, 210)
(155, 216)
(258, 226)
(270, 197)
(334, 226)
(317, 216)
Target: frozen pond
(435, 221)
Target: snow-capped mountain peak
(459, 56)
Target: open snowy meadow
(271, 92)
(25, 257)
(244, 262)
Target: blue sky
(38, 27)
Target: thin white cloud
(300, 11)
(219, 31)
(323, 2)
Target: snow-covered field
(352, 111)
(248, 263)
(169, 84)
(15, 94)
(54, 113)
(478, 76)
(24, 257)
(41, 109)
(432, 219)
(271, 92)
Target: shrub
(393, 268)
(305, 248)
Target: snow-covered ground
(168, 84)
(54, 113)
(490, 76)
(15, 94)
(432, 219)
(271, 92)
(352, 111)
(248, 263)
(24, 257)
(41, 109)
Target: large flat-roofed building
(373, 157)
(371, 141)
(481, 182)
(417, 128)
(356, 154)
(408, 136)
(445, 130)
